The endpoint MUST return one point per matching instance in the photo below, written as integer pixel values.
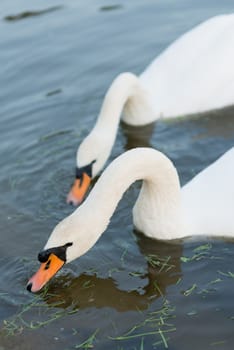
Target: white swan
(203, 207)
(194, 74)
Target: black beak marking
(60, 252)
(47, 265)
(29, 287)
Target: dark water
(128, 292)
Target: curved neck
(128, 95)
(125, 93)
(157, 211)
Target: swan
(204, 206)
(194, 74)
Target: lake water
(128, 292)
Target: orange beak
(78, 190)
(46, 271)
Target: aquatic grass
(217, 280)
(221, 342)
(156, 286)
(211, 283)
(192, 313)
(226, 274)
(208, 289)
(200, 252)
(203, 247)
(88, 343)
(157, 323)
(163, 263)
(88, 284)
(19, 322)
(114, 269)
(142, 344)
(190, 290)
(145, 334)
(196, 257)
(136, 274)
(163, 339)
(162, 342)
(13, 324)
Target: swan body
(163, 210)
(208, 199)
(194, 74)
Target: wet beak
(78, 190)
(46, 271)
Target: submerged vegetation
(44, 315)
(156, 325)
(88, 343)
(162, 263)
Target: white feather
(164, 211)
(194, 74)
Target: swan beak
(46, 271)
(78, 190)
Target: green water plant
(158, 324)
(45, 314)
(88, 343)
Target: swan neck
(156, 212)
(159, 197)
(123, 88)
(98, 144)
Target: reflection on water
(163, 270)
(137, 136)
(218, 123)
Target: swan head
(92, 155)
(56, 253)
(51, 260)
(81, 184)
(70, 239)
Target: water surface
(128, 292)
